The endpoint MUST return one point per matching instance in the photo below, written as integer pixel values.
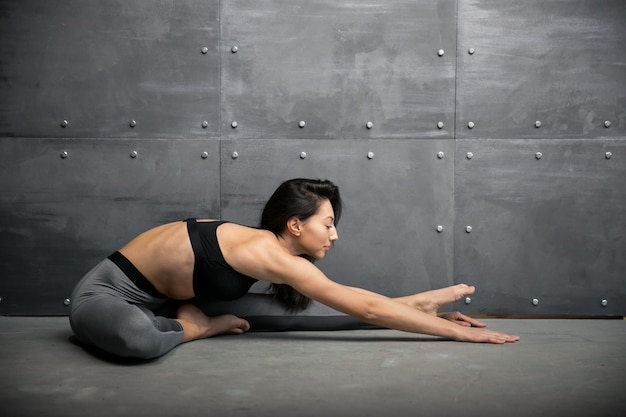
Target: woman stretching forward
(113, 305)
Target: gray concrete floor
(559, 368)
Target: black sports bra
(212, 276)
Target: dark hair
(300, 198)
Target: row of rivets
(535, 301)
(303, 155)
(302, 123)
(133, 123)
(538, 155)
(370, 155)
(440, 155)
(369, 125)
(134, 154)
(471, 124)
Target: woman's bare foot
(431, 301)
(197, 325)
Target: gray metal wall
(474, 141)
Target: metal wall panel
(546, 226)
(98, 65)
(337, 65)
(557, 62)
(394, 199)
(61, 215)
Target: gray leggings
(109, 311)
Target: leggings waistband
(133, 273)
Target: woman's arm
(371, 307)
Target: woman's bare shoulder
(254, 252)
(234, 238)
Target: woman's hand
(472, 334)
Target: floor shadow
(331, 336)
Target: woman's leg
(124, 329)
(110, 312)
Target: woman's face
(318, 232)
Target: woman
(113, 305)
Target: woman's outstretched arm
(374, 308)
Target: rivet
(66, 302)
(604, 302)
(205, 155)
(205, 50)
(235, 155)
(64, 123)
(538, 124)
(440, 125)
(440, 52)
(538, 155)
(64, 154)
(440, 155)
(471, 125)
(471, 51)
(133, 123)
(134, 154)
(369, 125)
(234, 49)
(370, 155)
(302, 155)
(607, 123)
(439, 228)
(302, 124)
(468, 229)
(233, 124)
(469, 155)
(205, 124)
(608, 155)
(535, 301)
(468, 300)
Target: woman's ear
(294, 226)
